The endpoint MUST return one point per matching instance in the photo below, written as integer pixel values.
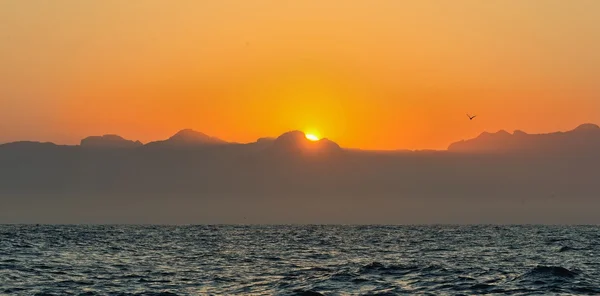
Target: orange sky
(374, 75)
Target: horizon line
(226, 142)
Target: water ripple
(299, 260)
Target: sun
(312, 137)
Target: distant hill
(109, 141)
(295, 142)
(583, 139)
(188, 138)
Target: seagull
(471, 117)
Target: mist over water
(299, 260)
(193, 178)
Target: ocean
(299, 260)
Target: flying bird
(471, 117)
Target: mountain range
(195, 178)
(584, 138)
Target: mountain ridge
(486, 142)
(584, 137)
(109, 141)
(187, 138)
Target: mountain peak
(292, 135)
(296, 141)
(190, 136)
(519, 133)
(187, 138)
(501, 133)
(587, 127)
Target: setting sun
(312, 137)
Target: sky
(365, 74)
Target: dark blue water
(299, 260)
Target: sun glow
(312, 137)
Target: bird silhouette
(471, 117)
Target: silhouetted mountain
(188, 138)
(290, 179)
(296, 142)
(583, 139)
(109, 141)
(26, 145)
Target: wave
(565, 249)
(389, 269)
(568, 249)
(482, 287)
(307, 293)
(149, 294)
(144, 280)
(551, 272)
(14, 290)
(381, 294)
(71, 283)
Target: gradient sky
(368, 74)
